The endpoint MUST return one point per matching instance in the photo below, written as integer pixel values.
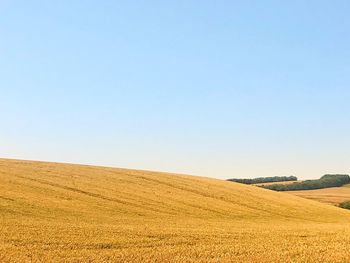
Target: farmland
(53, 212)
(332, 195)
(283, 182)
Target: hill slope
(332, 195)
(63, 212)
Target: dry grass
(70, 213)
(333, 195)
(283, 182)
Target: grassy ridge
(326, 181)
(62, 212)
(261, 180)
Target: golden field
(332, 195)
(53, 212)
(282, 182)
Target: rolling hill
(332, 195)
(75, 213)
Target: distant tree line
(328, 180)
(260, 180)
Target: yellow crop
(72, 213)
(332, 195)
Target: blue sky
(214, 88)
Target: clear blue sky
(214, 88)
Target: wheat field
(53, 212)
(332, 195)
(282, 182)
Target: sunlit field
(71, 213)
(283, 182)
(332, 195)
